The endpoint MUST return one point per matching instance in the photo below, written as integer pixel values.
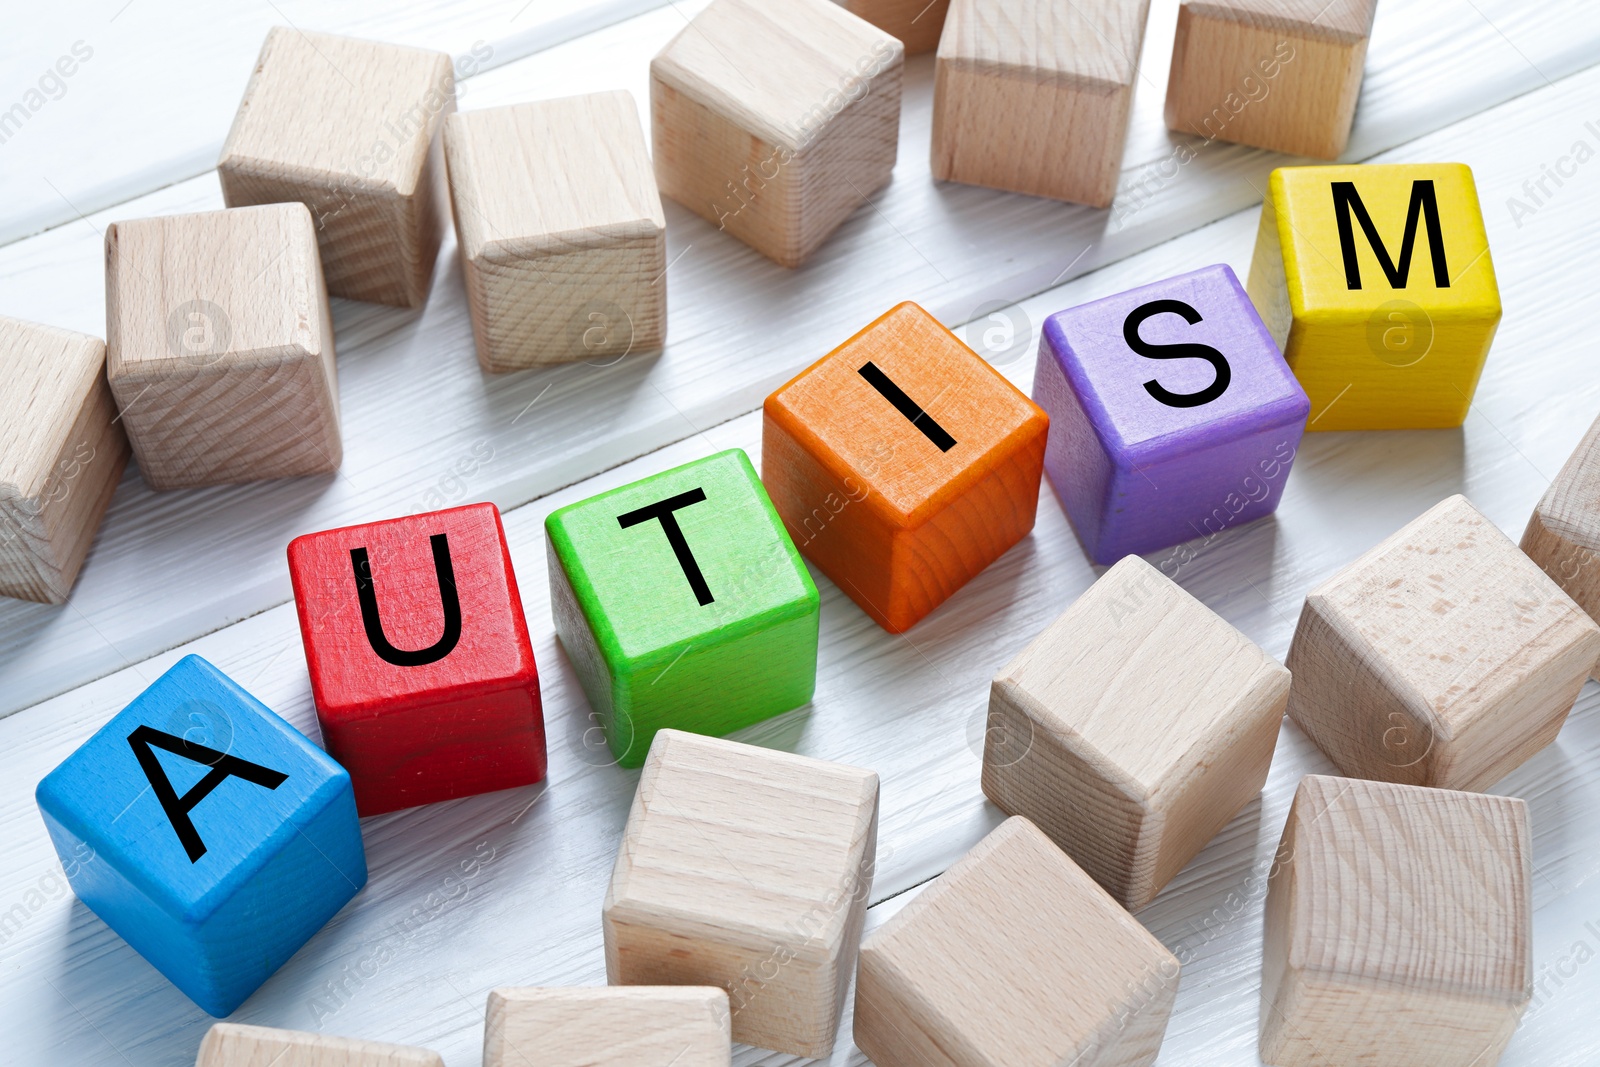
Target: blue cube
(218, 838)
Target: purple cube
(1172, 414)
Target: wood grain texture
(1398, 927)
(347, 127)
(1133, 729)
(61, 455)
(1014, 956)
(219, 346)
(562, 241)
(748, 869)
(633, 1026)
(238, 1045)
(1563, 533)
(917, 23)
(776, 119)
(899, 509)
(1034, 97)
(1442, 657)
(1277, 74)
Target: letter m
(1424, 206)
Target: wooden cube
(1398, 927)
(563, 244)
(633, 1026)
(1173, 415)
(681, 602)
(1278, 74)
(1563, 533)
(1034, 96)
(776, 119)
(218, 884)
(748, 869)
(1013, 956)
(903, 464)
(219, 346)
(347, 128)
(1442, 657)
(1133, 797)
(237, 1045)
(61, 455)
(1376, 282)
(917, 23)
(421, 668)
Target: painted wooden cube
(681, 602)
(903, 464)
(421, 667)
(347, 127)
(219, 346)
(1443, 656)
(1133, 798)
(238, 1045)
(776, 119)
(62, 452)
(1172, 414)
(219, 838)
(1563, 533)
(1034, 96)
(562, 240)
(609, 1026)
(751, 870)
(917, 23)
(1376, 281)
(1013, 956)
(1398, 927)
(1278, 74)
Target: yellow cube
(1377, 284)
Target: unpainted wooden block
(917, 23)
(1398, 927)
(1033, 96)
(1133, 729)
(563, 243)
(347, 128)
(1443, 656)
(1013, 957)
(237, 1045)
(1278, 74)
(219, 346)
(632, 1026)
(748, 869)
(776, 119)
(1563, 533)
(61, 455)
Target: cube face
(346, 127)
(903, 465)
(219, 346)
(61, 455)
(421, 667)
(681, 602)
(1441, 657)
(1378, 284)
(750, 870)
(1173, 415)
(775, 119)
(1434, 965)
(634, 1026)
(237, 1045)
(220, 839)
(561, 230)
(975, 971)
(1132, 798)
(1276, 74)
(1035, 99)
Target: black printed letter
(907, 407)
(178, 808)
(1150, 350)
(448, 600)
(663, 510)
(1424, 205)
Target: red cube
(421, 667)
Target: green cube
(682, 603)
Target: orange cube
(902, 464)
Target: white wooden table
(1502, 85)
